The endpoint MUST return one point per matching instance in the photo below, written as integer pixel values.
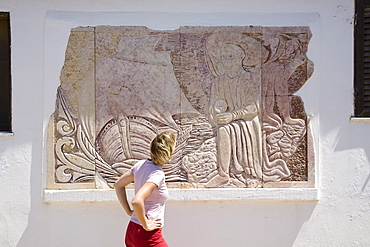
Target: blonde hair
(162, 147)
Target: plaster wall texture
(341, 216)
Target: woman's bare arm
(120, 187)
(138, 204)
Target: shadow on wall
(196, 224)
(359, 133)
(75, 224)
(69, 224)
(231, 223)
(348, 142)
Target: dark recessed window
(5, 79)
(362, 58)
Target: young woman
(147, 216)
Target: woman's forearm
(120, 188)
(138, 204)
(122, 197)
(139, 210)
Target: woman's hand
(139, 208)
(152, 225)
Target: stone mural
(227, 93)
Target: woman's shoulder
(152, 165)
(139, 163)
(147, 164)
(137, 166)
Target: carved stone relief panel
(227, 93)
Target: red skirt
(136, 236)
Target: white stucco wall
(341, 216)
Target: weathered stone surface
(227, 93)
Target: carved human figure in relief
(282, 132)
(288, 54)
(234, 108)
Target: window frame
(360, 35)
(5, 69)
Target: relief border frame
(296, 191)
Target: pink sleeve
(156, 177)
(133, 170)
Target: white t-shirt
(146, 171)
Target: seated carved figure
(234, 110)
